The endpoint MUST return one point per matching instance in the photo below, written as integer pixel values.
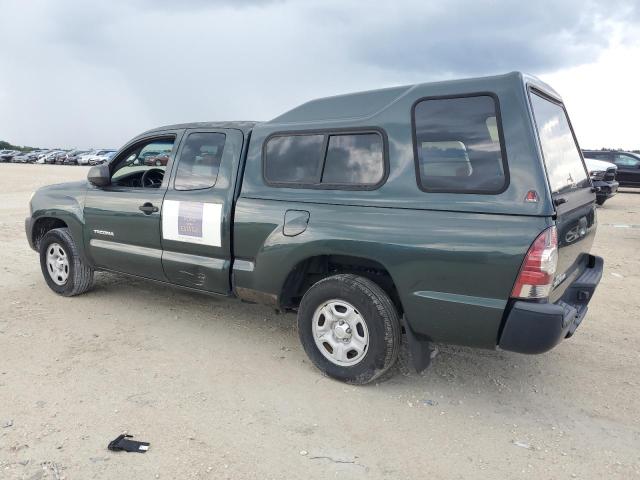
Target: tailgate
(570, 188)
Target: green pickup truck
(457, 212)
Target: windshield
(565, 169)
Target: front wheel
(600, 201)
(63, 269)
(349, 328)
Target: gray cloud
(471, 38)
(85, 74)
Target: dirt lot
(222, 389)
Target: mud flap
(422, 351)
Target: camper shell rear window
(459, 145)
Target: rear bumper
(538, 327)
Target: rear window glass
(458, 145)
(294, 158)
(565, 169)
(199, 161)
(354, 159)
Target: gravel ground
(222, 389)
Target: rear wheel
(63, 269)
(349, 328)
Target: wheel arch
(42, 225)
(49, 220)
(314, 268)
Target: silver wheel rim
(340, 333)
(57, 264)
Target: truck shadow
(458, 370)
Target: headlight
(597, 174)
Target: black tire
(379, 314)
(600, 201)
(80, 276)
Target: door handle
(148, 208)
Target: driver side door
(122, 220)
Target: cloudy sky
(95, 73)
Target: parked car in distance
(628, 163)
(23, 157)
(83, 158)
(50, 158)
(71, 158)
(406, 210)
(100, 157)
(603, 177)
(160, 159)
(40, 157)
(60, 157)
(146, 155)
(7, 155)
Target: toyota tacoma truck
(455, 212)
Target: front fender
(54, 204)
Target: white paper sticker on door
(192, 222)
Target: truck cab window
(143, 165)
(199, 161)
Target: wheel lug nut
(348, 330)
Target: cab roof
(244, 126)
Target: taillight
(539, 267)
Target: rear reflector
(531, 197)
(539, 267)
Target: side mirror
(99, 176)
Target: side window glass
(626, 161)
(147, 159)
(458, 145)
(354, 159)
(294, 158)
(199, 161)
(325, 160)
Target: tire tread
(387, 311)
(82, 275)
